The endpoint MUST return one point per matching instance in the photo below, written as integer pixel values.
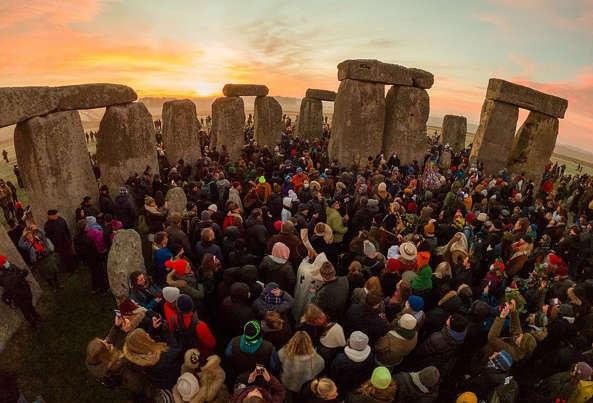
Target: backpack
(185, 336)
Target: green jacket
(336, 223)
(423, 281)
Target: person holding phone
(258, 385)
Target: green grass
(49, 361)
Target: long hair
(99, 356)
(274, 320)
(142, 350)
(324, 388)
(299, 345)
(313, 315)
(373, 286)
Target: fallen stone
(406, 113)
(268, 121)
(453, 132)
(310, 123)
(494, 138)
(525, 97)
(322, 95)
(54, 162)
(180, 131)
(176, 199)
(21, 103)
(125, 257)
(12, 319)
(374, 71)
(228, 124)
(125, 144)
(245, 90)
(358, 122)
(90, 96)
(422, 78)
(533, 146)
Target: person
(300, 362)
(244, 352)
(40, 251)
(182, 276)
(379, 388)
(332, 296)
(335, 221)
(354, 365)
(273, 298)
(98, 251)
(276, 329)
(575, 385)
(86, 209)
(106, 205)
(124, 209)
(392, 348)
(17, 291)
(56, 229)
(160, 361)
(207, 387)
(237, 309)
(367, 318)
(161, 254)
(145, 293)
(320, 390)
(277, 269)
(6, 200)
(421, 386)
(259, 386)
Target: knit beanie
(369, 249)
(429, 376)
(467, 397)
(381, 378)
(416, 303)
(583, 371)
(407, 322)
(191, 358)
(187, 386)
(251, 339)
(185, 303)
(127, 306)
(503, 361)
(281, 251)
(171, 294)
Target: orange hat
(429, 228)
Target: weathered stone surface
(406, 113)
(180, 131)
(13, 318)
(358, 121)
(125, 144)
(176, 199)
(268, 121)
(228, 124)
(322, 95)
(374, 71)
(445, 159)
(422, 78)
(310, 123)
(533, 146)
(21, 103)
(89, 96)
(55, 164)
(454, 131)
(245, 90)
(125, 257)
(494, 137)
(525, 97)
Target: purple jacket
(96, 236)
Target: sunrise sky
(192, 48)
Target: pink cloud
(14, 12)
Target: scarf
(416, 380)
(270, 299)
(402, 333)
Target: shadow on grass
(49, 361)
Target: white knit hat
(187, 386)
(407, 322)
(171, 294)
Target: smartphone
(259, 369)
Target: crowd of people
(288, 277)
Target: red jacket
(206, 340)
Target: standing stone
(125, 257)
(21, 103)
(494, 137)
(533, 146)
(453, 132)
(406, 114)
(54, 161)
(422, 78)
(176, 199)
(310, 123)
(125, 144)
(228, 124)
(180, 131)
(13, 318)
(268, 121)
(358, 121)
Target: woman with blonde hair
(313, 321)
(320, 390)
(300, 361)
(161, 363)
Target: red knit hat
(3, 260)
(127, 306)
(470, 217)
(179, 266)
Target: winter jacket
(497, 343)
(165, 372)
(261, 306)
(392, 348)
(237, 310)
(348, 374)
(145, 297)
(297, 249)
(212, 388)
(300, 369)
(125, 211)
(423, 281)
(256, 235)
(336, 223)
(366, 319)
(440, 350)
(332, 297)
(407, 391)
(280, 273)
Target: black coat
(367, 320)
(125, 211)
(332, 298)
(349, 375)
